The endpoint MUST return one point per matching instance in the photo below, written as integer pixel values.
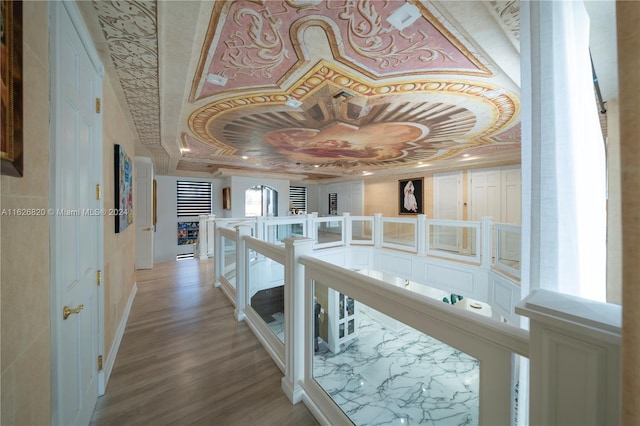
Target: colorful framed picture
(11, 88)
(123, 183)
(410, 196)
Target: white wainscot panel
(335, 257)
(361, 258)
(450, 279)
(504, 295)
(400, 266)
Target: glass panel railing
(229, 260)
(362, 230)
(399, 233)
(329, 231)
(378, 370)
(266, 292)
(458, 240)
(277, 232)
(507, 248)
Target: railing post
(421, 226)
(217, 259)
(241, 271)
(377, 230)
(575, 372)
(487, 246)
(260, 228)
(347, 229)
(294, 316)
(202, 237)
(210, 235)
(311, 226)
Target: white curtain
(563, 158)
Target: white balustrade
(414, 255)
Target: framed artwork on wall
(410, 196)
(226, 198)
(123, 183)
(188, 233)
(11, 88)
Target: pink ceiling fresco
(257, 43)
(424, 87)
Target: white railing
(507, 248)
(493, 349)
(481, 242)
(264, 271)
(490, 342)
(454, 239)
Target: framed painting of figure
(410, 196)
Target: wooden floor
(185, 360)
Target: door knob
(147, 229)
(66, 311)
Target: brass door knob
(66, 311)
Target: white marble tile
(400, 377)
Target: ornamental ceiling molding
(506, 106)
(131, 31)
(507, 15)
(263, 41)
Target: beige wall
(24, 281)
(119, 249)
(383, 196)
(24, 257)
(628, 15)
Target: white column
(574, 359)
(294, 316)
(563, 164)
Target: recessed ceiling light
(316, 165)
(185, 150)
(404, 16)
(465, 155)
(244, 157)
(217, 79)
(293, 103)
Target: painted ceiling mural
(321, 89)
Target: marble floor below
(399, 377)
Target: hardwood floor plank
(185, 360)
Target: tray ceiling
(317, 90)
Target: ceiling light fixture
(404, 16)
(217, 79)
(244, 157)
(293, 103)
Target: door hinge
(98, 105)
(98, 192)
(99, 277)
(99, 362)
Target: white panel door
(511, 212)
(76, 224)
(447, 205)
(144, 213)
(485, 197)
(486, 194)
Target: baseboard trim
(111, 358)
